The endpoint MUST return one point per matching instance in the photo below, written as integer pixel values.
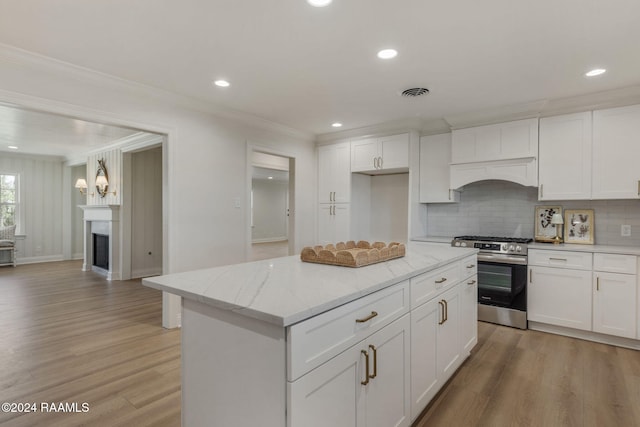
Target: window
(8, 199)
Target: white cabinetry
(333, 223)
(334, 192)
(565, 157)
(615, 153)
(502, 141)
(443, 329)
(614, 295)
(435, 156)
(381, 155)
(559, 291)
(334, 173)
(365, 385)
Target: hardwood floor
(71, 336)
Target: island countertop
(284, 291)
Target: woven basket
(352, 254)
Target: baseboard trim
(270, 240)
(38, 259)
(586, 335)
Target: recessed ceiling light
(595, 72)
(319, 3)
(222, 83)
(269, 177)
(336, 124)
(387, 53)
(13, 147)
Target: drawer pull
(471, 266)
(440, 322)
(369, 317)
(446, 310)
(473, 282)
(375, 361)
(444, 279)
(366, 367)
(558, 259)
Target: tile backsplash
(500, 208)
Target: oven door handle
(503, 259)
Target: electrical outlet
(625, 230)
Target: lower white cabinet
(333, 223)
(560, 296)
(365, 385)
(443, 331)
(614, 304)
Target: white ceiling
(34, 132)
(307, 67)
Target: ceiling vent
(415, 91)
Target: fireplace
(101, 251)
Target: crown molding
(619, 97)
(381, 129)
(44, 157)
(20, 56)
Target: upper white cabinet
(381, 155)
(564, 171)
(334, 173)
(502, 141)
(435, 156)
(616, 174)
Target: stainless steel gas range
(502, 278)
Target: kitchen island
(278, 342)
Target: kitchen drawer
(561, 259)
(427, 285)
(469, 267)
(312, 342)
(615, 263)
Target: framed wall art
(544, 230)
(579, 226)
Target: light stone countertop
(284, 291)
(608, 249)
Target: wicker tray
(352, 254)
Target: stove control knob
(518, 248)
(463, 244)
(457, 243)
(512, 248)
(504, 247)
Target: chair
(8, 245)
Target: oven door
(501, 278)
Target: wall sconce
(557, 222)
(81, 184)
(102, 180)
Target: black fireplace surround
(101, 251)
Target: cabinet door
(614, 304)
(394, 151)
(565, 157)
(449, 335)
(559, 296)
(330, 395)
(334, 223)
(364, 155)
(342, 222)
(424, 369)
(435, 156)
(334, 173)
(386, 394)
(469, 313)
(615, 153)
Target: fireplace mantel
(106, 219)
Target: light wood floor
(269, 250)
(71, 336)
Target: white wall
(269, 210)
(205, 155)
(41, 205)
(77, 223)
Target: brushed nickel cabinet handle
(541, 191)
(375, 163)
(369, 317)
(473, 282)
(375, 361)
(558, 259)
(380, 162)
(444, 279)
(530, 275)
(597, 283)
(638, 188)
(471, 266)
(366, 367)
(446, 310)
(441, 321)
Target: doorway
(271, 222)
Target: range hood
(522, 171)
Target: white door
(394, 151)
(614, 304)
(326, 224)
(326, 168)
(559, 296)
(424, 370)
(364, 155)
(469, 313)
(449, 334)
(342, 222)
